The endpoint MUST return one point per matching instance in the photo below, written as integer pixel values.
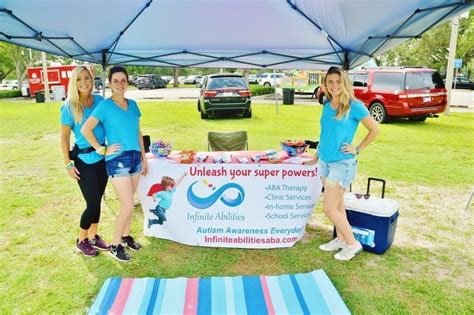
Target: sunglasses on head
(366, 196)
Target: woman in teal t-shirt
(88, 167)
(120, 118)
(337, 164)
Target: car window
(387, 81)
(461, 80)
(226, 82)
(360, 80)
(416, 80)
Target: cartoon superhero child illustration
(164, 192)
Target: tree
(432, 49)
(16, 59)
(6, 64)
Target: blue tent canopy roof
(292, 34)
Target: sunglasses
(171, 185)
(366, 196)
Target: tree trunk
(18, 67)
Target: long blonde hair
(347, 91)
(75, 106)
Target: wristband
(69, 165)
(102, 150)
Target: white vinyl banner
(228, 205)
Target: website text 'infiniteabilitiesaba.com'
(249, 239)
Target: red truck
(57, 76)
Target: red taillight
(207, 93)
(245, 93)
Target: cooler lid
(380, 207)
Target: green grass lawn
(428, 167)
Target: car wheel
(378, 113)
(203, 115)
(315, 93)
(140, 88)
(321, 98)
(153, 86)
(199, 106)
(420, 118)
(267, 84)
(248, 114)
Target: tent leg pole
(104, 67)
(276, 98)
(103, 80)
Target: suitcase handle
(376, 180)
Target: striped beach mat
(303, 293)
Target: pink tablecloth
(176, 156)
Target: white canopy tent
(274, 34)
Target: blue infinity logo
(203, 203)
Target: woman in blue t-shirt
(337, 164)
(88, 167)
(120, 118)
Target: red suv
(416, 93)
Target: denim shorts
(342, 172)
(127, 163)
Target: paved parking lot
(464, 98)
(169, 94)
(459, 98)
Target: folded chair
(227, 141)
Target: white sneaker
(349, 252)
(333, 245)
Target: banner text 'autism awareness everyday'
(265, 173)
